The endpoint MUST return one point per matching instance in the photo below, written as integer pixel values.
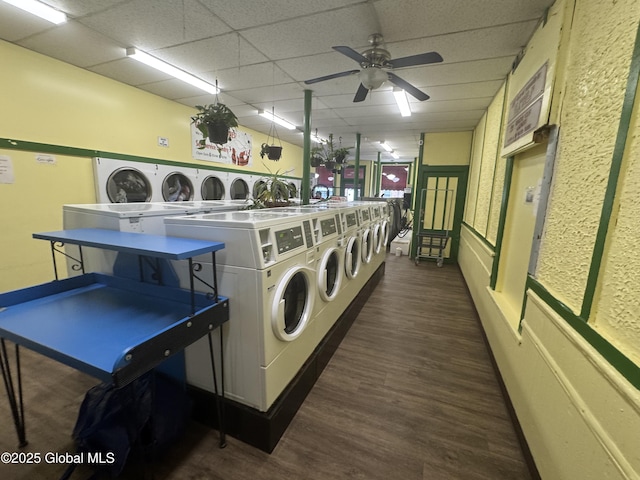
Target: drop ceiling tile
(253, 76)
(150, 25)
(268, 13)
(401, 18)
(211, 55)
(171, 89)
(79, 8)
(74, 43)
(315, 33)
(268, 94)
(463, 91)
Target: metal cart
(432, 244)
(436, 207)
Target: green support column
(305, 192)
(356, 173)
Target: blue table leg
(16, 404)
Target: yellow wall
(53, 103)
(578, 408)
(597, 70)
(447, 148)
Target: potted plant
(273, 191)
(317, 156)
(340, 154)
(273, 152)
(214, 122)
(270, 149)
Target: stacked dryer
(267, 270)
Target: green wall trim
(612, 184)
(480, 237)
(11, 144)
(506, 189)
(618, 360)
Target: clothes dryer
(177, 184)
(239, 186)
(267, 271)
(214, 185)
(120, 181)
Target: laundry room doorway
(439, 207)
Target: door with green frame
(438, 210)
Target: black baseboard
(264, 429)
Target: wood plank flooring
(409, 394)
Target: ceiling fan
(376, 63)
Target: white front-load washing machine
(267, 270)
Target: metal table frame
(133, 331)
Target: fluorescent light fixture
(391, 176)
(403, 103)
(40, 9)
(316, 175)
(276, 119)
(330, 179)
(316, 138)
(394, 155)
(386, 146)
(171, 70)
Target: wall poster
(237, 151)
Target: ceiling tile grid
(262, 52)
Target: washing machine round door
(367, 245)
(329, 275)
(384, 233)
(377, 238)
(352, 257)
(127, 185)
(239, 189)
(293, 304)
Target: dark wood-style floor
(409, 394)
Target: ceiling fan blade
(352, 54)
(329, 77)
(407, 87)
(410, 61)
(361, 94)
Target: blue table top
(160, 246)
(91, 322)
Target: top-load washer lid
(176, 187)
(239, 189)
(126, 185)
(212, 188)
(128, 210)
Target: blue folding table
(112, 328)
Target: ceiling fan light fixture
(40, 9)
(372, 77)
(402, 101)
(175, 72)
(276, 119)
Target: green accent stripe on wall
(612, 184)
(506, 189)
(11, 144)
(480, 237)
(620, 362)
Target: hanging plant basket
(214, 121)
(273, 152)
(218, 133)
(316, 162)
(270, 149)
(330, 165)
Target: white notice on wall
(6, 169)
(46, 159)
